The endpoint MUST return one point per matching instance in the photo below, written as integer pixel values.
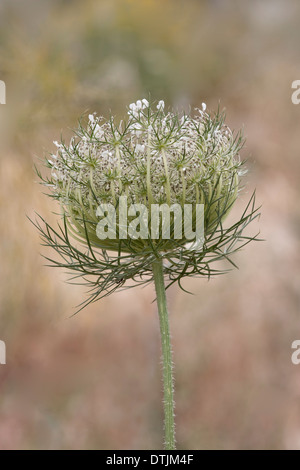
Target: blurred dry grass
(93, 381)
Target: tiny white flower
(203, 107)
(133, 110)
(145, 103)
(140, 148)
(161, 105)
(98, 132)
(137, 129)
(91, 118)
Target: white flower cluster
(134, 108)
(155, 156)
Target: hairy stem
(169, 404)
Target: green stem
(149, 192)
(169, 404)
(168, 186)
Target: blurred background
(93, 381)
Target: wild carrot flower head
(154, 156)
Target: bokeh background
(93, 381)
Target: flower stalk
(168, 381)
